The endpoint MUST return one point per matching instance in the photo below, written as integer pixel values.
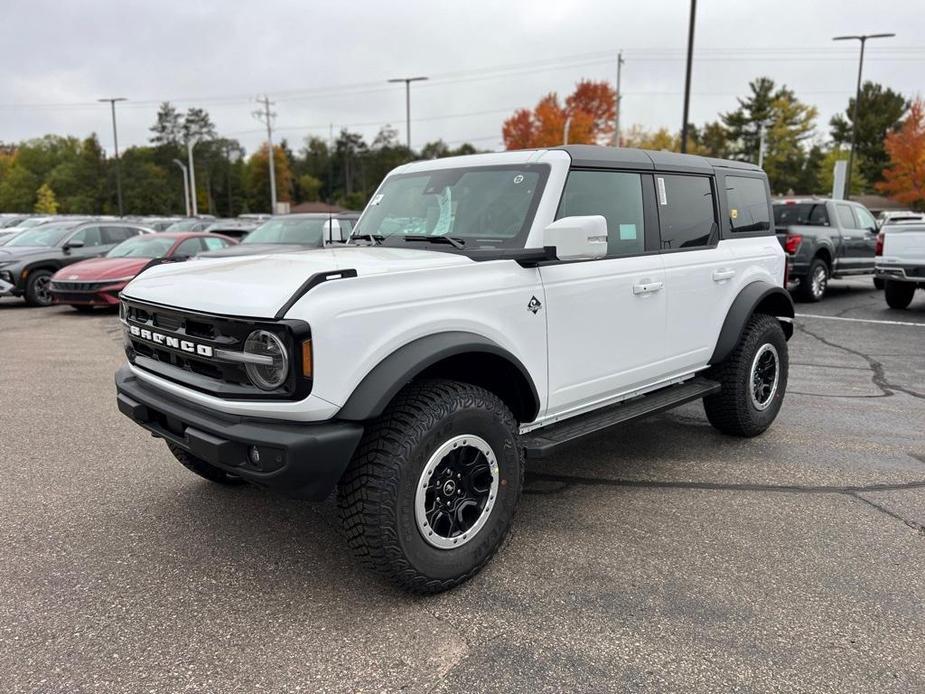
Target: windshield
(187, 225)
(811, 214)
(33, 222)
(485, 206)
(144, 246)
(47, 235)
(306, 231)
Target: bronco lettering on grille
(173, 342)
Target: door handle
(723, 274)
(646, 287)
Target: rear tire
(202, 468)
(430, 493)
(813, 285)
(899, 294)
(753, 379)
(36, 293)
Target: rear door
(606, 318)
(700, 273)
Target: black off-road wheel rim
(456, 492)
(765, 376)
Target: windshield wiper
(375, 239)
(454, 242)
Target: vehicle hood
(258, 286)
(101, 269)
(23, 252)
(257, 249)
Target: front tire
(202, 468)
(813, 285)
(753, 379)
(431, 491)
(37, 285)
(898, 294)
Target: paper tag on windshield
(662, 195)
(376, 199)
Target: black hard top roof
(597, 156)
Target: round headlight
(273, 369)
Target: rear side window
(865, 218)
(189, 247)
(812, 214)
(617, 197)
(214, 244)
(119, 234)
(747, 201)
(91, 236)
(686, 212)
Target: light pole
(408, 81)
(192, 177)
(115, 143)
(762, 133)
(857, 100)
(687, 77)
(616, 116)
(185, 184)
(566, 129)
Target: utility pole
(192, 177)
(185, 184)
(408, 81)
(616, 117)
(857, 101)
(267, 117)
(762, 125)
(565, 130)
(687, 78)
(115, 143)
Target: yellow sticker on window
(734, 213)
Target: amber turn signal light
(307, 358)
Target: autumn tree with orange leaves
(590, 106)
(904, 178)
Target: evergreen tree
(168, 129)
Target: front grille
(78, 286)
(76, 297)
(198, 349)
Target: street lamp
(192, 176)
(857, 100)
(115, 143)
(185, 184)
(408, 81)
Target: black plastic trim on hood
(313, 281)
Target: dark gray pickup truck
(825, 239)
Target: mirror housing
(73, 244)
(578, 238)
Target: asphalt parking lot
(660, 557)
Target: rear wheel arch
(457, 355)
(757, 297)
(825, 255)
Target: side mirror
(578, 238)
(73, 244)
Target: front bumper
(6, 289)
(302, 460)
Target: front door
(606, 318)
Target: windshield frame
(472, 244)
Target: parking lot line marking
(860, 320)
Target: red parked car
(98, 281)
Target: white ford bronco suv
(488, 309)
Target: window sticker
(518, 179)
(662, 195)
(734, 213)
(627, 232)
(376, 199)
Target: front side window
(686, 213)
(300, 230)
(747, 201)
(845, 217)
(91, 236)
(487, 207)
(214, 243)
(189, 247)
(865, 219)
(617, 197)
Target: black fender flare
(51, 266)
(776, 300)
(370, 398)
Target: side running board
(543, 442)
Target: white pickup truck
(901, 261)
(487, 309)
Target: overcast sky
(327, 63)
